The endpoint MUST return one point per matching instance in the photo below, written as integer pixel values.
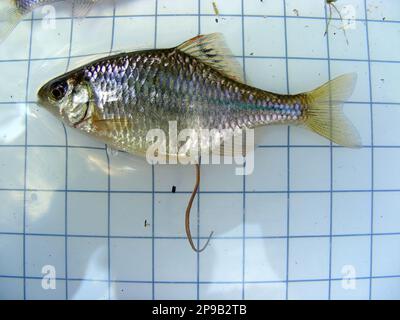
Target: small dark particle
(173, 189)
(252, 53)
(146, 224)
(216, 20)
(384, 18)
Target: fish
(198, 84)
(13, 11)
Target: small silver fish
(198, 84)
(13, 11)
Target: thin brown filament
(331, 5)
(187, 215)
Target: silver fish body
(118, 99)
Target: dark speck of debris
(296, 12)
(173, 189)
(384, 18)
(216, 20)
(252, 53)
(146, 224)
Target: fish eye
(59, 90)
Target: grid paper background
(288, 231)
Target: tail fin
(325, 116)
(10, 16)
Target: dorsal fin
(212, 50)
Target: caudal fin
(325, 116)
(9, 18)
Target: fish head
(69, 98)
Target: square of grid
(11, 289)
(385, 289)
(35, 290)
(175, 291)
(386, 212)
(131, 291)
(13, 91)
(270, 43)
(55, 33)
(230, 27)
(305, 38)
(308, 258)
(380, 47)
(265, 291)
(45, 168)
(44, 128)
(221, 213)
(131, 259)
(19, 38)
(386, 168)
(129, 173)
(170, 175)
(138, 7)
(351, 44)
(386, 261)
(167, 253)
(12, 162)
(309, 214)
(265, 260)
(344, 289)
(41, 71)
(169, 210)
(12, 124)
(217, 177)
(383, 10)
(125, 39)
(45, 212)
(76, 138)
(178, 7)
(385, 82)
(131, 214)
(359, 115)
(351, 254)
(213, 291)
(386, 128)
(361, 90)
(87, 290)
(87, 169)
(87, 258)
(352, 169)
(43, 251)
(83, 209)
(267, 8)
(84, 43)
(304, 8)
(310, 290)
(266, 73)
(270, 170)
(351, 212)
(11, 248)
(174, 30)
(266, 215)
(224, 7)
(11, 211)
(222, 260)
(310, 169)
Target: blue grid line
(198, 190)
(206, 282)
(221, 15)
(330, 164)
(153, 175)
(372, 152)
(305, 236)
(205, 192)
(244, 166)
(26, 158)
(287, 159)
